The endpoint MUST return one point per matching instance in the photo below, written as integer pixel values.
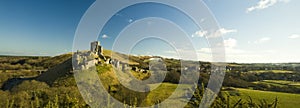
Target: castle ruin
(87, 59)
(96, 48)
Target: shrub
(30, 86)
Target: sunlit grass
(286, 100)
(273, 71)
(279, 83)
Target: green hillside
(285, 100)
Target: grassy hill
(163, 92)
(56, 72)
(119, 56)
(55, 68)
(59, 77)
(56, 60)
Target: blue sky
(39, 27)
(253, 30)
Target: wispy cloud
(217, 33)
(200, 34)
(262, 40)
(294, 36)
(265, 39)
(221, 32)
(263, 4)
(224, 31)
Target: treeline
(245, 80)
(30, 63)
(235, 67)
(18, 63)
(26, 66)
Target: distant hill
(54, 67)
(56, 60)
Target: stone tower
(95, 47)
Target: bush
(30, 86)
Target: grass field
(286, 100)
(164, 91)
(274, 71)
(280, 83)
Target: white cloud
(221, 32)
(200, 34)
(263, 4)
(262, 40)
(105, 36)
(224, 31)
(229, 46)
(294, 36)
(130, 20)
(217, 33)
(230, 43)
(234, 54)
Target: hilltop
(27, 74)
(50, 69)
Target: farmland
(286, 100)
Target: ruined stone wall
(84, 60)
